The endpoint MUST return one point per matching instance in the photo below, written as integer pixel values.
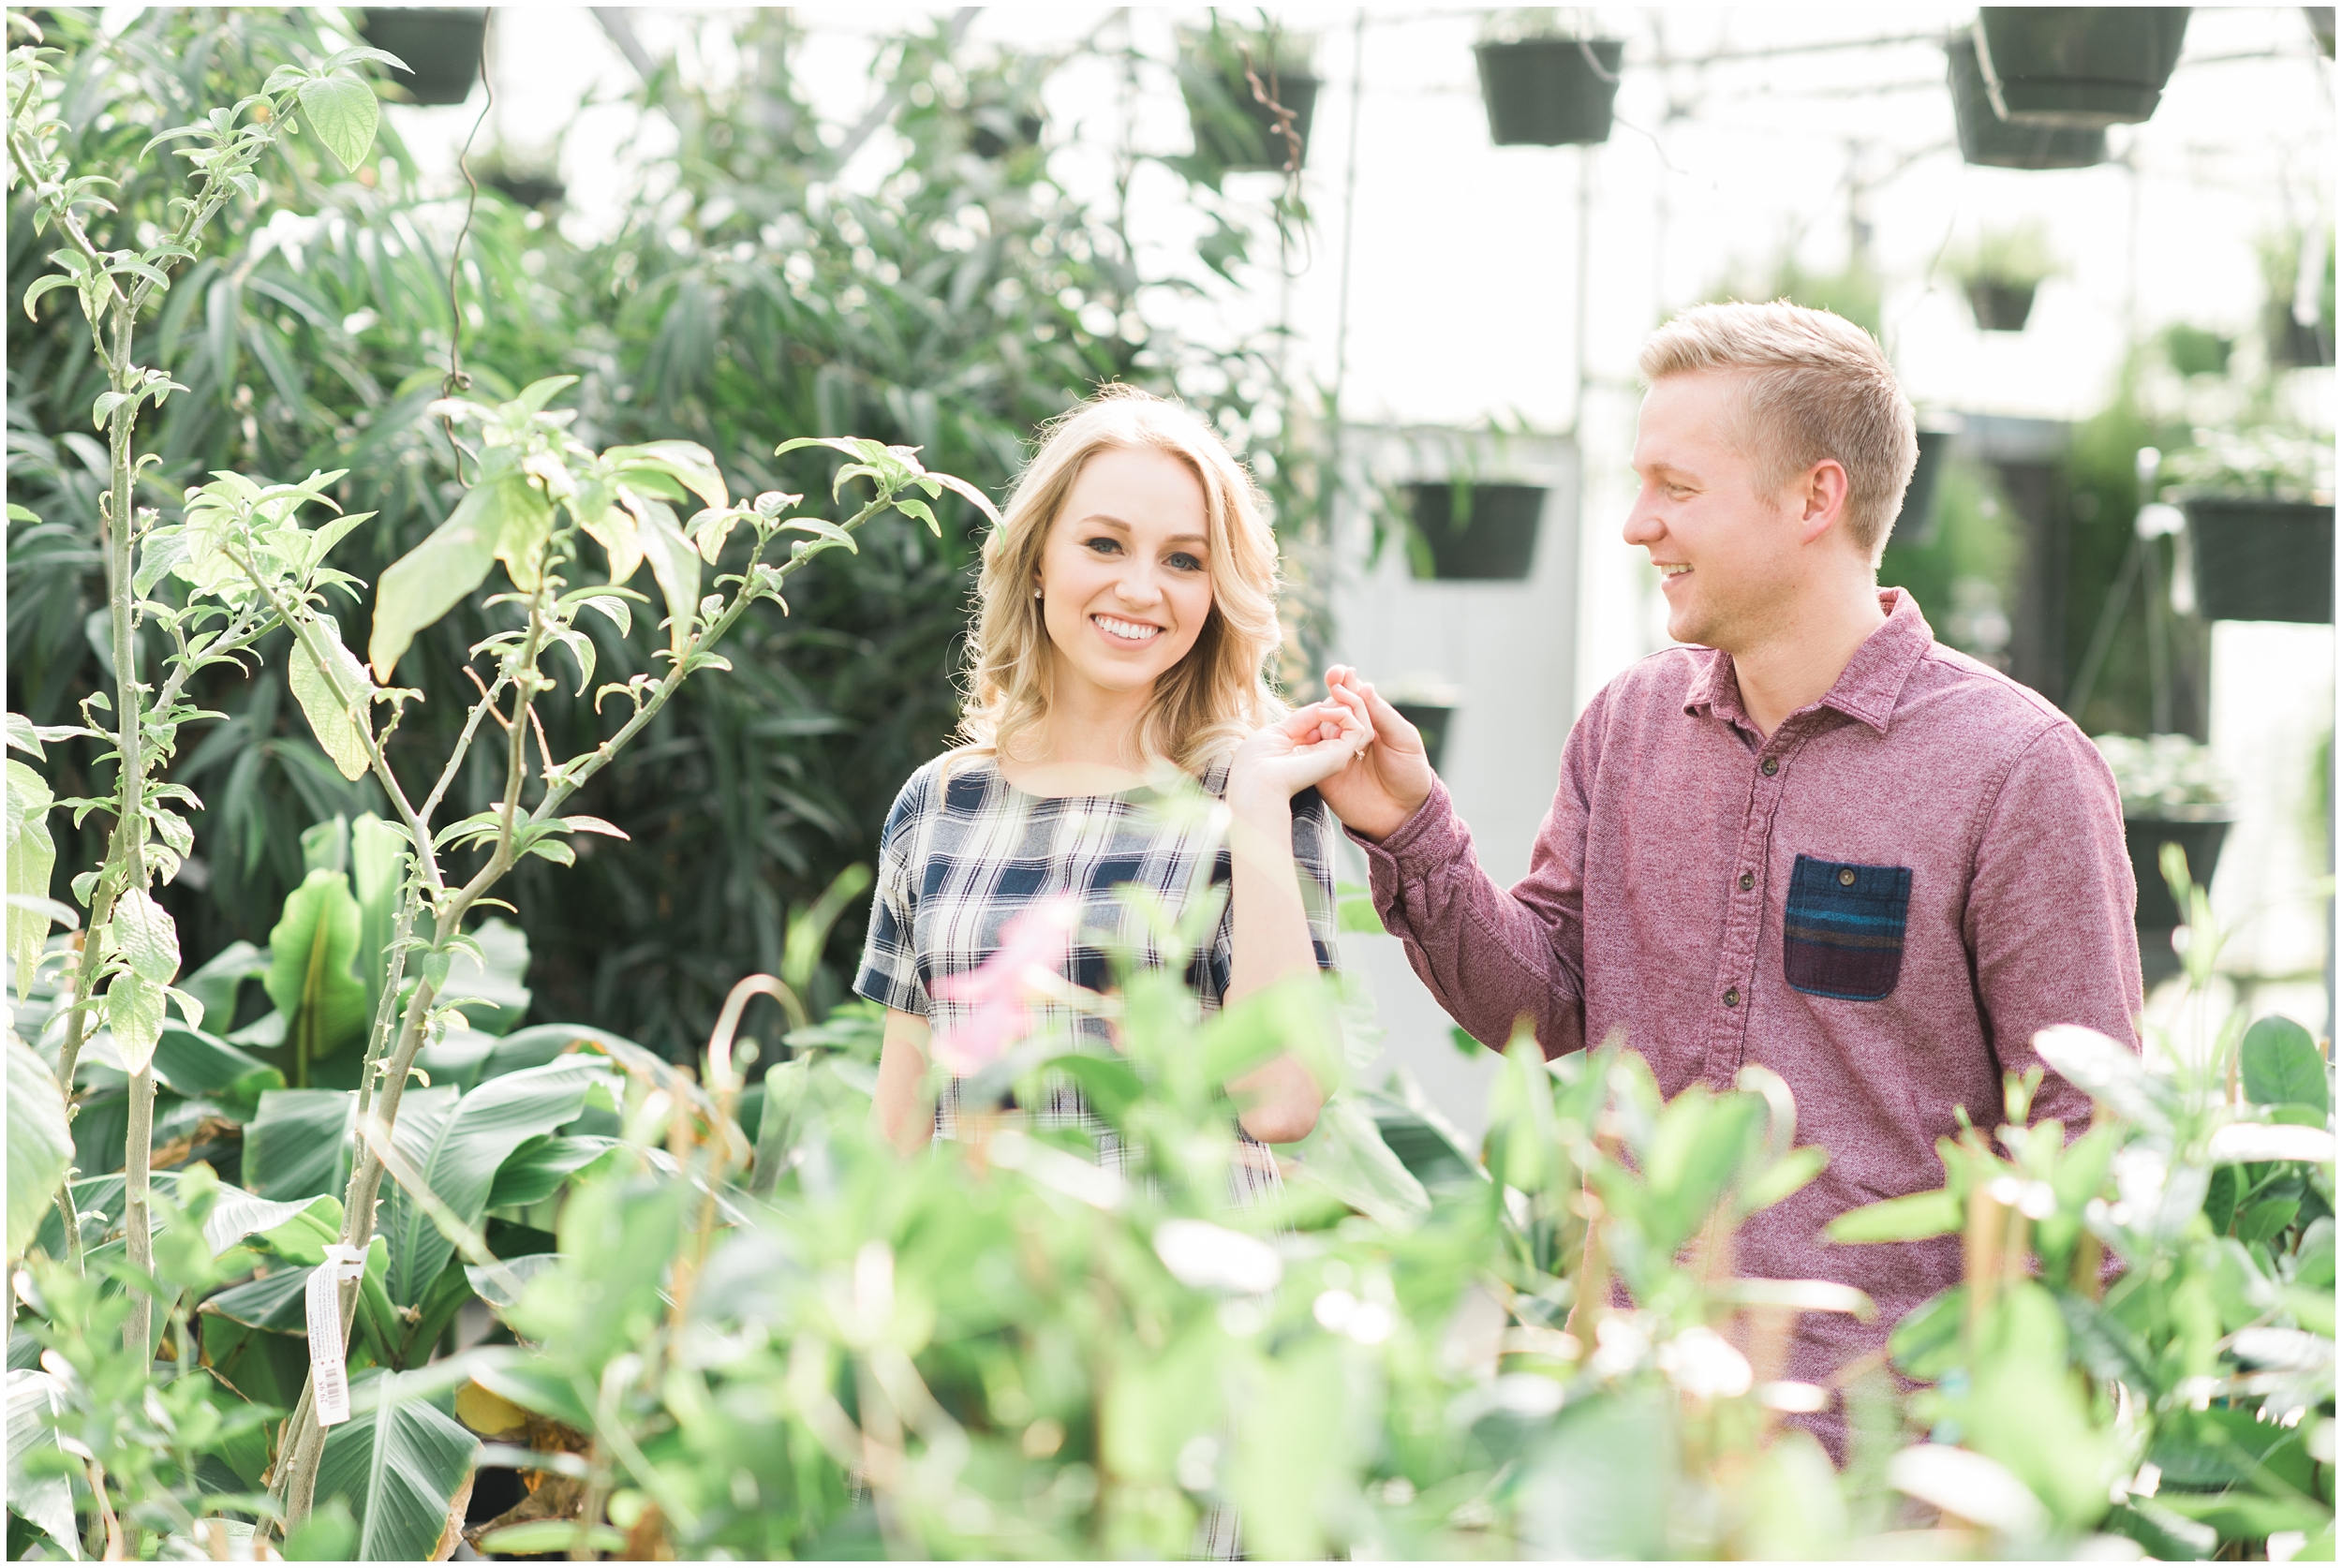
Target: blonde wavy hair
(1206, 703)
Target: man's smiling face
(1728, 552)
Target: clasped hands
(1367, 762)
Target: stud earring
(1036, 593)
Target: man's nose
(1643, 524)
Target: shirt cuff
(1423, 842)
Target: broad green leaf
(1345, 1154)
(342, 111)
(148, 936)
(1599, 1483)
(134, 1012)
(216, 982)
(488, 988)
(521, 541)
(311, 975)
(536, 1170)
(32, 856)
(401, 1466)
(456, 1146)
(613, 528)
(440, 574)
(39, 1147)
(2108, 1071)
(341, 726)
(328, 1535)
(2282, 1065)
(198, 1065)
(675, 565)
(1914, 1217)
(378, 872)
(298, 1145)
(36, 1401)
(686, 462)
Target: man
(1813, 840)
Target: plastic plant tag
(328, 1359)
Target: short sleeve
(890, 955)
(1313, 861)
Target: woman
(1127, 608)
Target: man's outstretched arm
(1490, 956)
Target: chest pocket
(1843, 934)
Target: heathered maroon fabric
(1633, 921)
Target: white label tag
(328, 1368)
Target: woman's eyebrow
(1109, 520)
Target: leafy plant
(2018, 256)
(2166, 776)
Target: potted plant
(1988, 140)
(1467, 530)
(2195, 350)
(1999, 274)
(439, 44)
(2260, 539)
(2078, 66)
(527, 181)
(1429, 705)
(1250, 96)
(1543, 84)
(2173, 793)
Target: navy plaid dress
(965, 852)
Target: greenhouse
(1076, 782)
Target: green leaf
(2282, 1065)
(198, 1065)
(39, 1147)
(37, 1401)
(457, 1144)
(488, 986)
(545, 1537)
(311, 977)
(298, 1145)
(149, 938)
(1787, 1174)
(401, 1466)
(677, 566)
(440, 574)
(536, 1170)
(1345, 1153)
(689, 463)
(216, 982)
(32, 856)
(521, 541)
(342, 111)
(1907, 1219)
(134, 1012)
(328, 1535)
(378, 873)
(342, 726)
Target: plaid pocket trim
(1842, 935)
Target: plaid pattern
(964, 852)
(1842, 935)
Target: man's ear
(1821, 495)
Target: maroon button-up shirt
(1881, 902)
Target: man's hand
(1390, 779)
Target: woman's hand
(1391, 778)
(1307, 745)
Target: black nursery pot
(1249, 142)
(1549, 92)
(528, 190)
(1988, 140)
(2146, 837)
(1494, 541)
(441, 44)
(2078, 66)
(1432, 718)
(2261, 559)
(2001, 308)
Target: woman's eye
(1181, 561)
(1102, 545)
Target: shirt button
(1732, 998)
(1747, 881)
(1772, 765)
(1845, 875)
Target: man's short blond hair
(1819, 388)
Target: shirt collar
(1866, 689)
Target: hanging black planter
(2257, 558)
(2146, 837)
(441, 45)
(1490, 537)
(1431, 719)
(1989, 140)
(2079, 66)
(1915, 526)
(1236, 132)
(996, 131)
(1549, 92)
(533, 190)
(2001, 308)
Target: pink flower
(1030, 959)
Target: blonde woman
(1127, 610)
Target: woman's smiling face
(1126, 571)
